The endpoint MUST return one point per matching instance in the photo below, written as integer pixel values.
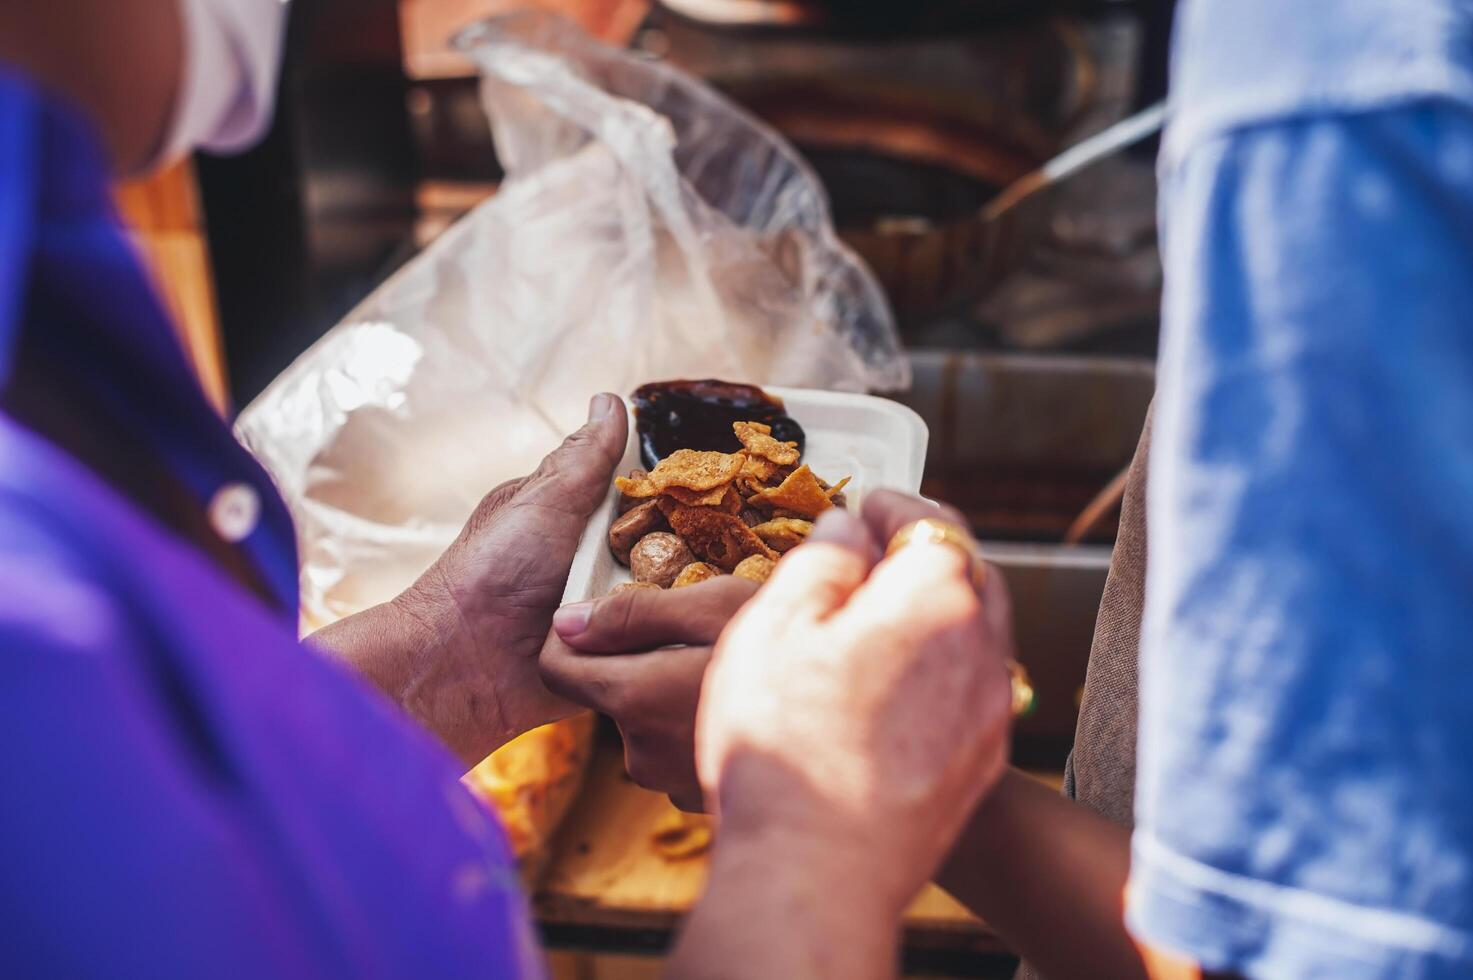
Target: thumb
(643, 619)
(818, 577)
(574, 478)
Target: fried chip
(732, 503)
(677, 835)
(692, 498)
(758, 470)
(759, 442)
(756, 568)
(632, 587)
(784, 533)
(713, 535)
(749, 488)
(638, 479)
(637, 485)
(799, 493)
(722, 498)
(694, 574)
(838, 488)
(697, 470)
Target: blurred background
(1032, 345)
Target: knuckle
(500, 493)
(606, 696)
(642, 769)
(492, 505)
(624, 614)
(951, 514)
(552, 668)
(720, 598)
(567, 455)
(602, 692)
(575, 469)
(574, 676)
(688, 802)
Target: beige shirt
(1100, 772)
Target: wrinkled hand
(859, 708)
(458, 649)
(639, 657)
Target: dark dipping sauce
(671, 415)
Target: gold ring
(1025, 698)
(929, 530)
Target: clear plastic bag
(647, 229)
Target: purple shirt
(189, 791)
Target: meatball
(659, 558)
(626, 531)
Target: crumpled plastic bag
(647, 229)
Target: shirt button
(234, 511)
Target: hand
(458, 649)
(623, 656)
(859, 708)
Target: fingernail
(836, 526)
(572, 619)
(602, 407)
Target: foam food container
(878, 442)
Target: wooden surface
(163, 216)
(605, 872)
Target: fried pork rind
(722, 498)
(633, 587)
(692, 498)
(713, 535)
(626, 502)
(694, 574)
(749, 488)
(732, 503)
(677, 836)
(728, 511)
(757, 568)
(800, 493)
(695, 470)
(759, 442)
(759, 471)
(635, 487)
(783, 534)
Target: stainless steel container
(1020, 443)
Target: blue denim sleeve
(1305, 796)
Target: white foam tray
(879, 442)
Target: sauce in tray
(671, 415)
